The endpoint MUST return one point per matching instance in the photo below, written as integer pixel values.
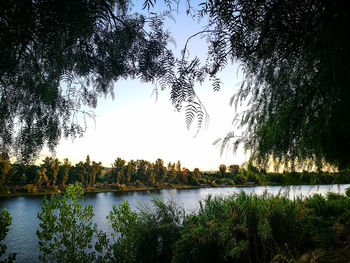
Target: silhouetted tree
(295, 56)
(59, 55)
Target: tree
(5, 166)
(178, 172)
(66, 230)
(234, 169)
(222, 170)
(295, 56)
(59, 56)
(51, 166)
(95, 169)
(171, 175)
(151, 178)
(87, 171)
(118, 170)
(141, 170)
(295, 59)
(41, 177)
(81, 171)
(124, 222)
(55, 166)
(5, 222)
(160, 171)
(184, 176)
(66, 166)
(195, 176)
(130, 171)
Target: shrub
(139, 184)
(239, 179)
(66, 229)
(5, 222)
(124, 223)
(347, 192)
(31, 188)
(121, 187)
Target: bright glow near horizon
(135, 126)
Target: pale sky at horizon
(135, 126)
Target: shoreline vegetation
(52, 176)
(238, 228)
(110, 188)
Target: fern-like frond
(216, 84)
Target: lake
(22, 238)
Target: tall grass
(240, 228)
(246, 228)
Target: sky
(139, 125)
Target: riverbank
(22, 239)
(22, 191)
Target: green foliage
(66, 166)
(139, 184)
(347, 191)
(239, 228)
(130, 171)
(160, 170)
(5, 222)
(31, 188)
(46, 84)
(118, 171)
(158, 228)
(222, 170)
(124, 224)
(295, 56)
(5, 166)
(66, 230)
(41, 177)
(250, 228)
(194, 176)
(233, 169)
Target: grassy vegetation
(239, 228)
(247, 228)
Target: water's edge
(22, 237)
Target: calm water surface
(22, 239)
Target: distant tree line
(52, 175)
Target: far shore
(114, 188)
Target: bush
(239, 228)
(239, 179)
(121, 187)
(123, 222)
(139, 184)
(250, 228)
(66, 230)
(5, 222)
(347, 192)
(31, 188)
